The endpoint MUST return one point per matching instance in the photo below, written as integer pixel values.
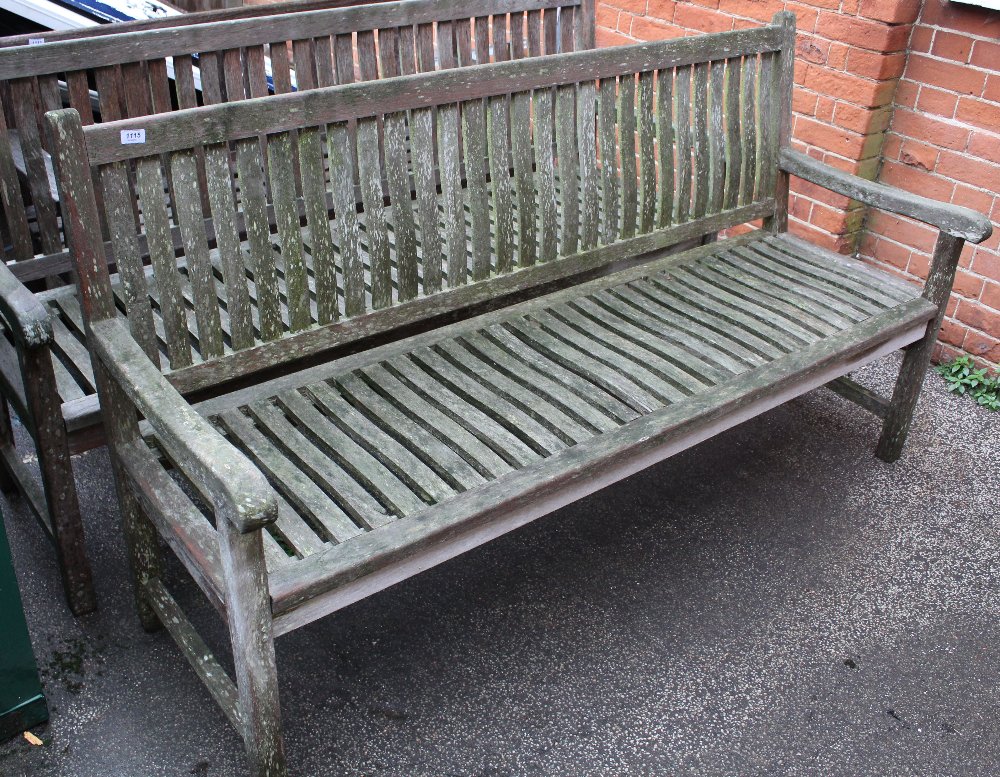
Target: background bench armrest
(23, 314)
(236, 487)
(952, 219)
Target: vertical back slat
(626, 130)
(376, 232)
(524, 183)
(567, 33)
(398, 177)
(500, 161)
(281, 165)
(474, 137)
(10, 197)
(253, 197)
(769, 118)
(220, 196)
(545, 174)
(682, 88)
(450, 167)
(734, 156)
(699, 109)
(610, 186)
(156, 223)
(346, 222)
(665, 146)
(647, 153)
(569, 165)
(313, 182)
(424, 165)
(587, 135)
(118, 209)
(78, 86)
(26, 105)
(187, 96)
(749, 114)
(716, 135)
(199, 267)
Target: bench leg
(248, 604)
(917, 357)
(58, 483)
(896, 426)
(141, 541)
(8, 485)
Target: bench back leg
(917, 357)
(248, 605)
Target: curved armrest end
(26, 317)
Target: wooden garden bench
(156, 67)
(319, 486)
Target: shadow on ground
(774, 601)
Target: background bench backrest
(111, 77)
(687, 133)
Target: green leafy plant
(963, 377)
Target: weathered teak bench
(321, 486)
(45, 371)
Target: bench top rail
(472, 184)
(111, 77)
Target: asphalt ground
(773, 601)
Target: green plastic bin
(22, 704)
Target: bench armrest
(24, 315)
(236, 487)
(951, 219)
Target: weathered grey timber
(113, 73)
(602, 351)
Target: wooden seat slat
(487, 427)
(443, 426)
(684, 337)
(447, 463)
(765, 299)
(308, 498)
(567, 380)
(826, 296)
(796, 303)
(544, 385)
(506, 412)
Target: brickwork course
(902, 91)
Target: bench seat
(401, 454)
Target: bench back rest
(547, 168)
(133, 74)
(181, 20)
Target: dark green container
(22, 704)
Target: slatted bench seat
(156, 67)
(306, 488)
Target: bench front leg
(917, 356)
(248, 608)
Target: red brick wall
(933, 131)
(943, 142)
